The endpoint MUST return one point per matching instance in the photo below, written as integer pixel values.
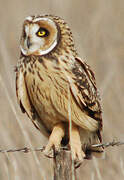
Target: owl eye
(42, 32)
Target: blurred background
(98, 30)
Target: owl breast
(47, 88)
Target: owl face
(40, 36)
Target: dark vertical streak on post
(62, 164)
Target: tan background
(98, 29)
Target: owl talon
(52, 151)
(77, 154)
(49, 153)
(78, 157)
(78, 163)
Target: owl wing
(22, 95)
(25, 103)
(85, 92)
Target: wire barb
(25, 150)
(108, 144)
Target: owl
(57, 89)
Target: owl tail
(89, 141)
(98, 152)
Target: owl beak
(28, 42)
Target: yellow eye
(42, 32)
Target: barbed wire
(40, 149)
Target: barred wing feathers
(86, 96)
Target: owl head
(43, 34)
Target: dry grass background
(98, 29)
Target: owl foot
(77, 164)
(75, 145)
(54, 140)
(49, 153)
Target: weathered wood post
(63, 167)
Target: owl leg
(55, 138)
(75, 144)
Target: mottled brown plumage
(50, 77)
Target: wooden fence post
(63, 167)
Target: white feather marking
(33, 29)
(27, 30)
(43, 52)
(24, 51)
(29, 18)
(49, 21)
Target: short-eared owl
(55, 87)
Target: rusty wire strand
(40, 149)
